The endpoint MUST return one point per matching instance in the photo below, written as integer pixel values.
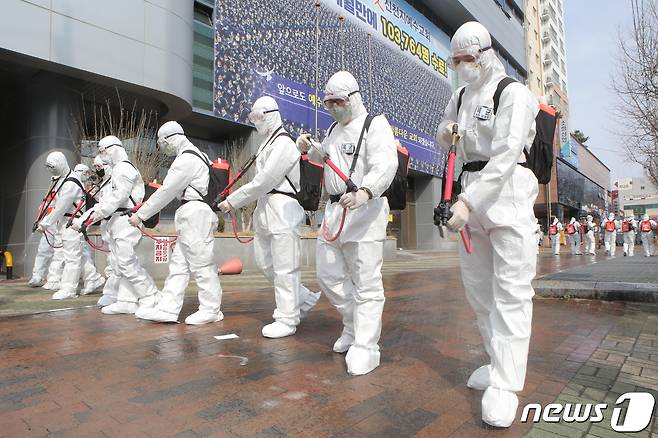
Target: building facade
(554, 55)
(533, 35)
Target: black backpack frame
(540, 157)
(216, 176)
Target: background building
(554, 55)
(636, 196)
(580, 184)
(533, 36)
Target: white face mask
(167, 147)
(342, 114)
(469, 72)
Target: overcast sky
(591, 38)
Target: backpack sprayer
(442, 213)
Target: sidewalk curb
(601, 290)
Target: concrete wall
(227, 248)
(147, 43)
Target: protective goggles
(162, 141)
(332, 100)
(469, 54)
(258, 115)
(103, 149)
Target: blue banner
(394, 52)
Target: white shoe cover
(50, 286)
(343, 343)
(308, 304)
(202, 317)
(499, 407)
(36, 282)
(120, 307)
(361, 360)
(156, 315)
(63, 295)
(148, 303)
(93, 287)
(106, 300)
(278, 330)
(480, 379)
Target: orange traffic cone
(231, 267)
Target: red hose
(340, 228)
(467, 239)
(46, 233)
(152, 237)
(97, 248)
(234, 223)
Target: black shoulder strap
(499, 90)
(77, 182)
(285, 134)
(190, 151)
(366, 126)
(459, 101)
(331, 128)
(131, 196)
(210, 173)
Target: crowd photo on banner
(334, 140)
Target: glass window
(202, 14)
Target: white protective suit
(497, 275)
(574, 239)
(43, 257)
(629, 237)
(646, 228)
(69, 193)
(610, 236)
(277, 218)
(349, 268)
(555, 239)
(195, 224)
(113, 280)
(137, 289)
(41, 263)
(590, 240)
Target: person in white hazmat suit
(50, 259)
(137, 289)
(91, 279)
(610, 237)
(195, 224)
(349, 268)
(113, 280)
(590, 240)
(646, 228)
(554, 230)
(497, 204)
(628, 228)
(69, 193)
(573, 236)
(42, 260)
(277, 218)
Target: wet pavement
(81, 373)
